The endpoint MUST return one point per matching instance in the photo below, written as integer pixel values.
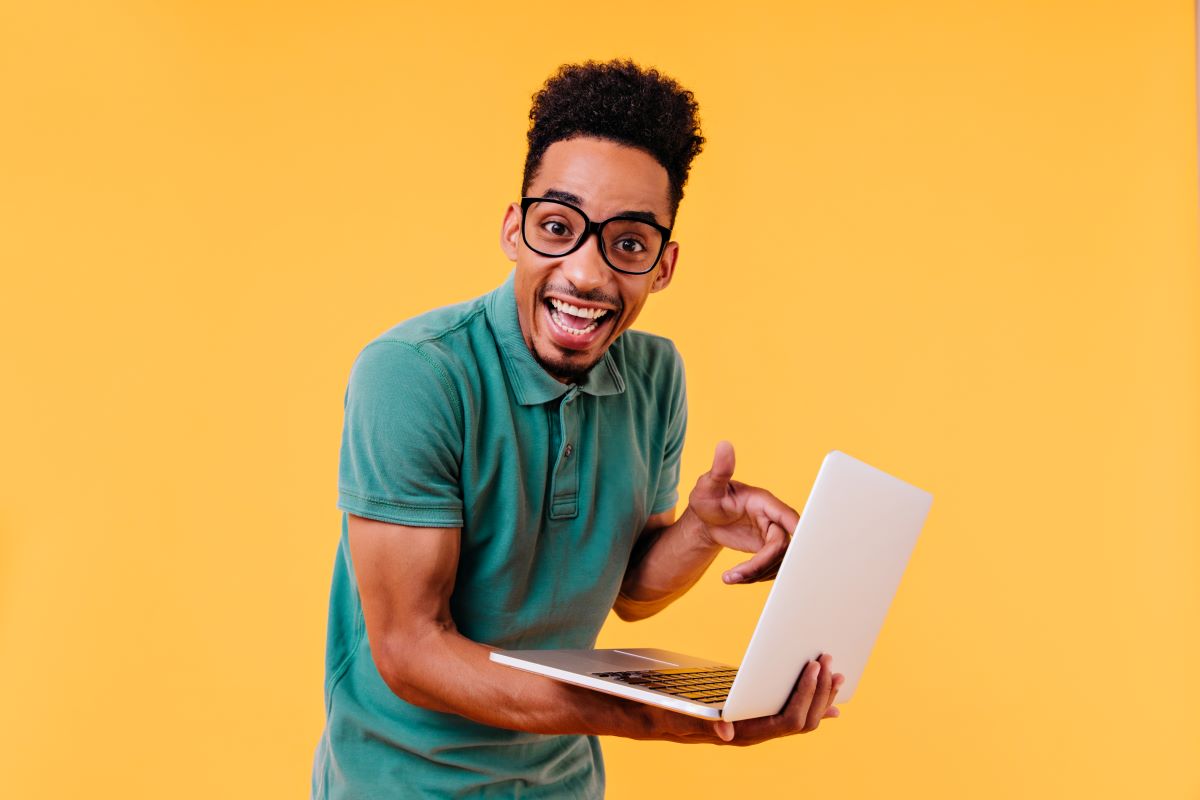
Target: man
(508, 475)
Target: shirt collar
(532, 384)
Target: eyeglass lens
(629, 245)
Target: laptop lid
(835, 584)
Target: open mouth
(575, 326)
(573, 319)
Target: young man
(508, 474)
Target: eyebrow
(576, 200)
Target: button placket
(564, 486)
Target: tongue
(572, 321)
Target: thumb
(722, 466)
(724, 729)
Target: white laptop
(831, 595)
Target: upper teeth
(576, 311)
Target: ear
(666, 267)
(510, 231)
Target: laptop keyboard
(707, 685)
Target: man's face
(558, 298)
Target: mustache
(593, 296)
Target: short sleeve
(667, 494)
(401, 440)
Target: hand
(810, 702)
(747, 518)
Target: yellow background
(955, 239)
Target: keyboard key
(694, 684)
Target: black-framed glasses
(554, 228)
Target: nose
(586, 268)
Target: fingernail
(735, 577)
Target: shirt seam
(658, 508)
(395, 504)
(436, 336)
(442, 377)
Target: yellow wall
(956, 239)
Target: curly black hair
(619, 101)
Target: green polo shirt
(450, 422)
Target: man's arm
(669, 558)
(672, 555)
(405, 578)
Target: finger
(766, 575)
(765, 561)
(724, 730)
(834, 711)
(715, 482)
(821, 696)
(769, 574)
(723, 462)
(802, 697)
(769, 508)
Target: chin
(571, 368)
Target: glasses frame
(590, 228)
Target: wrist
(697, 531)
(650, 723)
(625, 718)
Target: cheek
(633, 308)
(634, 296)
(526, 283)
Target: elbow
(395, 670)
(630, 610)
(625, 614)
(398, 663)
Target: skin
(406, 574)
(609, 179)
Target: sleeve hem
(666, 503)
(400, 513)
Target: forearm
(675, 560)
(406, 578)
(447, 672)
(439, 669)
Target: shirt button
(568, 450)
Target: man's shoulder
(442, 335)
(650, 354)
(432, 344)
(438, 325)
(652, 368)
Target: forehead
(610, 178)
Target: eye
(630, 245)
(556, 227)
